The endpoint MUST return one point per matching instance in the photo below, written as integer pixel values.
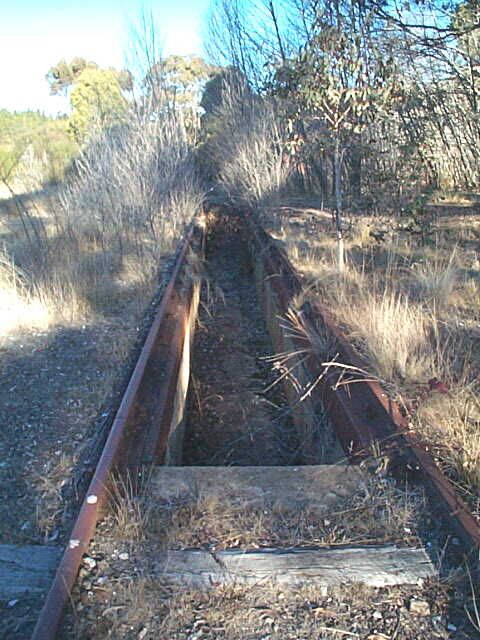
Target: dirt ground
(59, 389)
(50, 398)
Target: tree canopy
(97, 102)
(181, 77)
(62, 76)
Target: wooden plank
(26, 569)
(318, 488)
(376, 566)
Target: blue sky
(36, 34)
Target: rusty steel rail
(362, 414)
(131, 441)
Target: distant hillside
(34, 148)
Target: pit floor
(232, 416)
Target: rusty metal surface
(158, 359)
(361, 412)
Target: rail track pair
(147, 428)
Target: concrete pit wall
(174, 449)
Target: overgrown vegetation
(377, 99)
(412, 311)
(367, 110)
(378, 512)
(373, 128)
(243, 148)
(97, 243)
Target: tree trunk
(355, 166)
(338, 157)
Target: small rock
(12, 603)
(419, 607)
(123, 556)
(90, 563)
(54, 535)
(199, 623)
(451, 627)
(377, 615)
(142, 633)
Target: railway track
(337, 415)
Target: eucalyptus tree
(438, 44)
(97, 103)
(388, 86)
(182, 80)
(341, 78)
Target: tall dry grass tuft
(19, 306)
(394, 335)
(400, 332)
(130, 508)
(247, 145)
(452, 422)
(389, 328)
(435, 279)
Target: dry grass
(453, 422)
(393, 334)
(412, 310)
(247, 146)
(100, 242)
(436, 280)
(378, 512)
(20, 308)
(49, 483)
(129, 507)
(144, 608)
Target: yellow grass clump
(19, 306)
